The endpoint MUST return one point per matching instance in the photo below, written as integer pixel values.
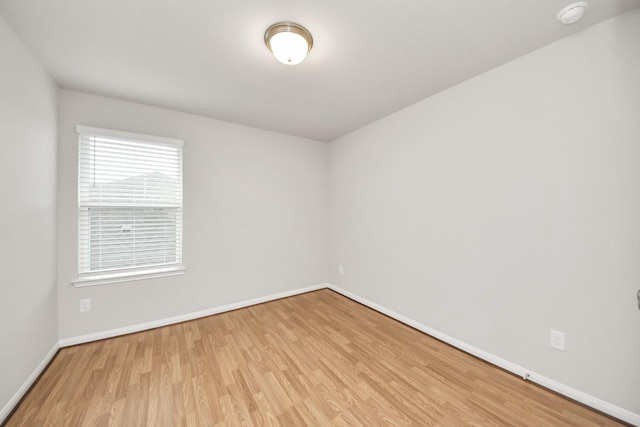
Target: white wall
(255, 216)
(509, 205)
(28, 299)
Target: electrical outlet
(85, 305)
(557, 340)
(340, 270)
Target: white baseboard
(577, 395)
(66, 342)
(4, 413)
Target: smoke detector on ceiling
(572, 13)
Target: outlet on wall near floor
(85, 305)
(340, 269)
(557, 340)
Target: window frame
(92, 278)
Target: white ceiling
(370, 57)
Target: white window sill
(128, 276)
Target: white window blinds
(129, 201)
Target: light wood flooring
(317, 359)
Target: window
(129, 206)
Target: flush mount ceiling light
(289, 42)
(572, 13)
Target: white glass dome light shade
(288, 42)
(289, 48)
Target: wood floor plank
(317, 359)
